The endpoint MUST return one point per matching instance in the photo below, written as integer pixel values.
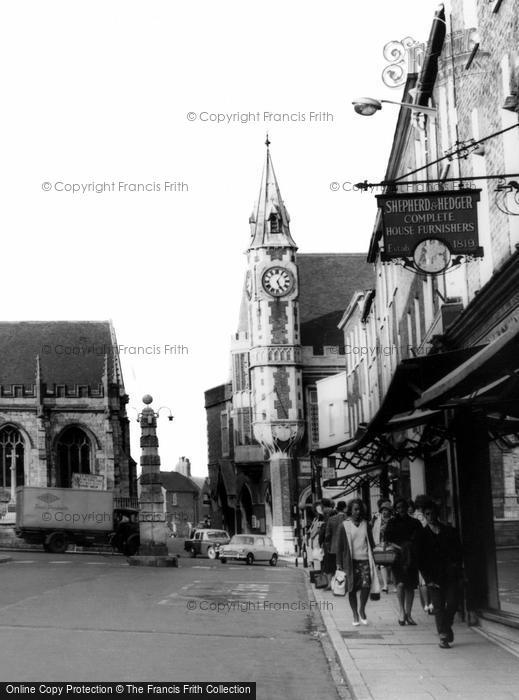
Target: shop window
(74, 453)
(505, 498)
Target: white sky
(99, 91)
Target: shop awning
(355, 480)
(411, 419)
(397, 411)
(410, 380)
(484, 372)
(342, 447)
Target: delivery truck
(56, 517)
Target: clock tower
(275, 351)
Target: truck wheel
(273, 560)
(131, 545)
(57, 543)
(211, 552)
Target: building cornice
(489, 308)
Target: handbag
(385, 555)
(317, 553)
(339, 583)
(321, 580)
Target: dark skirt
(404, 569)
(361, 574)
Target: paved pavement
(383, 661)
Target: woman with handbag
(379, 530)
(401, 532)
(355, 559)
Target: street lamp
(366, 106)
(157, 413)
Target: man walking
(439, 560)
(331, 536)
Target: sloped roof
(174, 481)
(71, 352)
(199, 481)
(327, 282)
(269, 202)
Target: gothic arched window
(73, 456)
(11, 458)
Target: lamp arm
(410, 105)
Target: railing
(120, 502)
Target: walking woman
(439, 559)
(402, 531)
(379, 535)
(355, 558)
(316, 552)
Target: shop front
(480, 404)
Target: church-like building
(62, 410)
(263, 424)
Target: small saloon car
(206, 542)
(249, 548)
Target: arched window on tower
(11, 458)
(275, 223)
(74, 452)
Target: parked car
(249, 548)
(206, 542)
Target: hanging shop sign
(428, 229)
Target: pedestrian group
(405, 543)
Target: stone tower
(275, 351)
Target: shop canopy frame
(371, 476)
(374, 444)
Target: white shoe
(355, 624)
(364, 620)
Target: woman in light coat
(355, 558)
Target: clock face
(431, 256)
(278, 281)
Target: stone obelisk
(153, 550)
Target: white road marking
(95, 563)
(24, 561)
(60, 562)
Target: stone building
(264, 423)
(62, 409)
(435, 407)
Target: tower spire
(270, 222)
